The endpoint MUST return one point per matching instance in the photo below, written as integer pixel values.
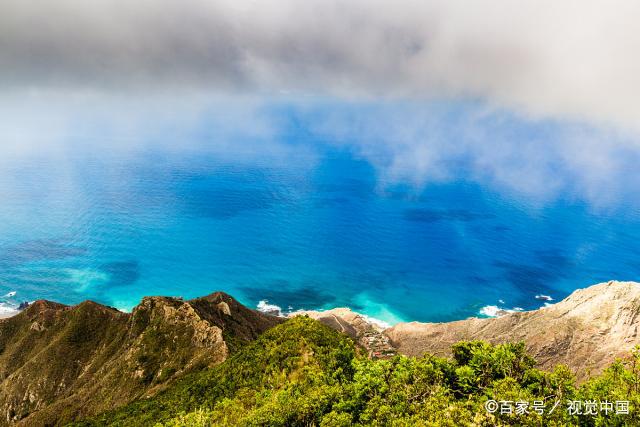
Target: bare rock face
(58, 363)
(586, 331)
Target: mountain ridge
(586, 331)
(59, 362)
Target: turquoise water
(307, 231)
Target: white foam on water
(379, 323)
(265, 307)
(495, 311)
(7, 310)
(490, 310)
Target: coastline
(9, 306)
(585, 332)
(592, 326)
(5, 314)
(485, 312)
(263, 306)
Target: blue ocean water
(307, 232)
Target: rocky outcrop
(368, 334)
(586, 331)
(59, 363)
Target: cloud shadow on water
(283, 294)
(437, 215)
(539, 278)
(38, 250)
(223, 204)
(121, 273)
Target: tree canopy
(301, 373)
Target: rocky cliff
(59, 362)
(586, 331)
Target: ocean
(308, 229)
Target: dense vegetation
(302, 373)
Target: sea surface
(312, 230)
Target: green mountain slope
(212, 362)
(302, 373)
(60, 363)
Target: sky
(537, 96)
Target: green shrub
(302, 373)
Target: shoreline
(485, 312)
(263, 306)
(274, 310)
(605, 304)
(5, 314)
(592, 323)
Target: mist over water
(402, 213)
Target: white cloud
(573, 59)
(407, 142)
(418, 144)
(553, 85)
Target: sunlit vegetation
(302, 373)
